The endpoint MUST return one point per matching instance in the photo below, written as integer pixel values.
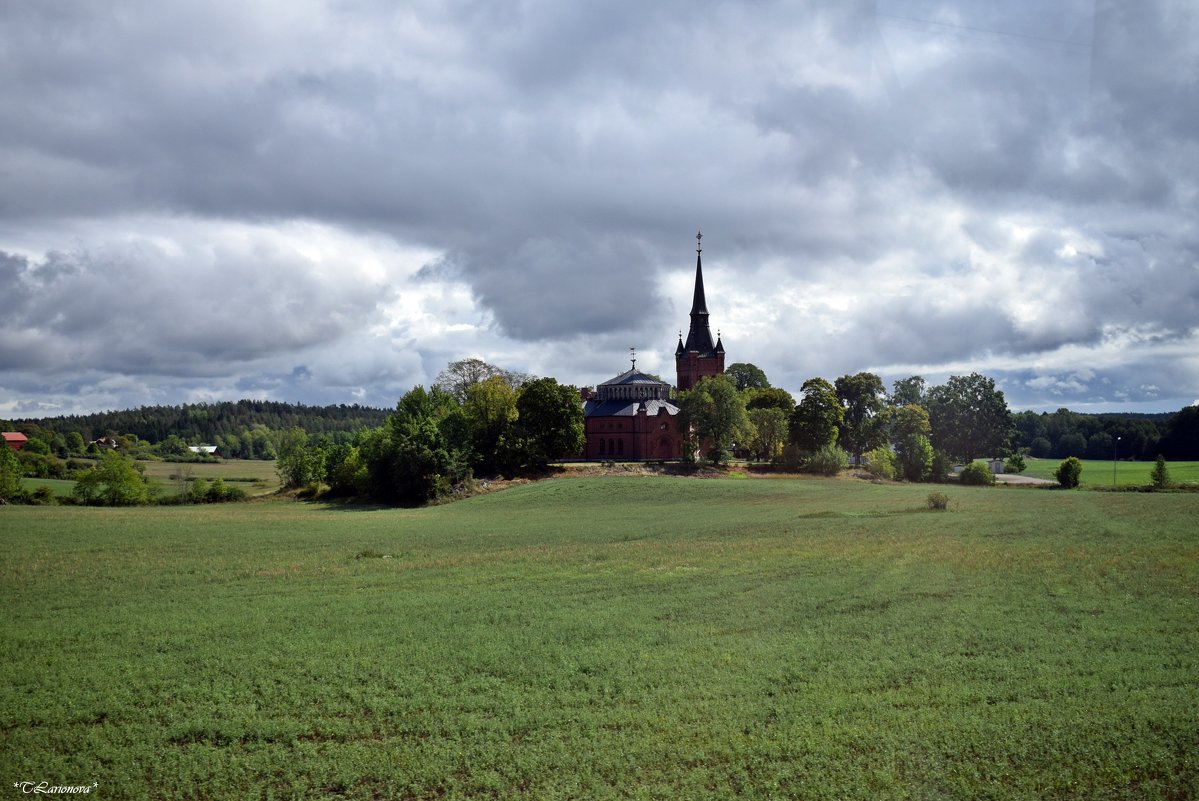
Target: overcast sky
(328, 201)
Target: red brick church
(631, 417)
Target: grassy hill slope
(610, 638)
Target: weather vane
(633, 357)
(698, 245)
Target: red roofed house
(15, 439)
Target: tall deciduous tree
(714, 408)
(10, 473)
(970, 417)
(913, 449)
(409, 457)
(747, 376)
(491, 408)
(458, 377)
(908, 392)
(770, 431)
(550, 419)
(769, 398)
(863, 397)
(816, 421)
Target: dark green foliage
(551, 421)
(243, 429)
(1068, 472)
(913, 450)
(769, 398)
(977, 475)
(939, 471)
(345, 472)
(747, 376)
(1159, 477)
(969, 417)
(908, 392)
(1072, 444)
(10, 473)
(863, 398)
(716, 411)
(1066, 433)
(817, 419)
(1181, 439)
(409, 459)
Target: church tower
(699, 357)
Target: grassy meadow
(1099, 473)
(256, 477)
(610, 638)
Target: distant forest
(242, 429)
(1063, 433)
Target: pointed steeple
(699, 336)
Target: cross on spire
(698, 244)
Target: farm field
(255, 476)
(1098, 473)
(610, 638)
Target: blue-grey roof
(632, 377)
(626, 408)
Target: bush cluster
(976, 474)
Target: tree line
(245, 429)
(965, 418)
(915, 430)
(476, 420)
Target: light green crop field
(610, 638)
(255, 476)
(1098, 473)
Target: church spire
(699, 337)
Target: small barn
(15, 440)
(206, 450)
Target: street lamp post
(1115, 453)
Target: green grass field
(254, 476)
(610, 638)
(1098, 473)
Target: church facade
(632, 417)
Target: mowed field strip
(642, 637)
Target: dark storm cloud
(140, 309)
(557, 156)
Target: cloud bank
(328, 201)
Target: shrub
(938, 501)
(828, 461)
(1160, 476)
(792, 458)
(1014, 464)
(880, 463)
(1068, 471)
(977, 475)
